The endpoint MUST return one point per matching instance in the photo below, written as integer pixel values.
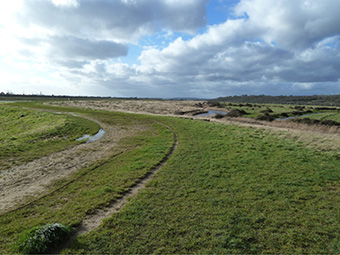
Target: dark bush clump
(267, 111)
(236, 113)
(179, 113)
(297, 113)
(299, 108)
(265, 117)
(307, 121)
(215, 104)
(219, 116)
(330, 123)
(316, 122)
(326, 108)
(42, 239)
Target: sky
(170, 48)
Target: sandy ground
(19, 183)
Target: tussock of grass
(42, 239)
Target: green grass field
(226, 189)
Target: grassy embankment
(26, 134)
(93, 187)
(334, 116)
(226, 189)
(229, 189)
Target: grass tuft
(42, 239)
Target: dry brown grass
(163, 107)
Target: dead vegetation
(162, 107)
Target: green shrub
(43, 238)
(219, 116)
(236, 113)
(309, 121)
(265, 117)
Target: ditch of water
(92, 138)
(211, 112)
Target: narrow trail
(96, 219)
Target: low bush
(236, 113)
(43, 238)
(268, 110)
(316, 122)
(219, 116)
(265, 117)
(326, 108)
(215, 104)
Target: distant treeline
(16, 97)
(329, 100)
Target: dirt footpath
(19, 183)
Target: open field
(228, 187)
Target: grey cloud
(77, 48)
(74, 52)
(283, 48)
(114, 19)
(293, 23)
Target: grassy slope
(229, 189)
(335, 116)
(26, 134)
(95, 186)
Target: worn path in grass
(25, 182)
(96, 219)
(31, 179)
(73, 199)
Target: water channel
(295, 117)
(211, 112)
(92, 138)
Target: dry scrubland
(232, 185)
